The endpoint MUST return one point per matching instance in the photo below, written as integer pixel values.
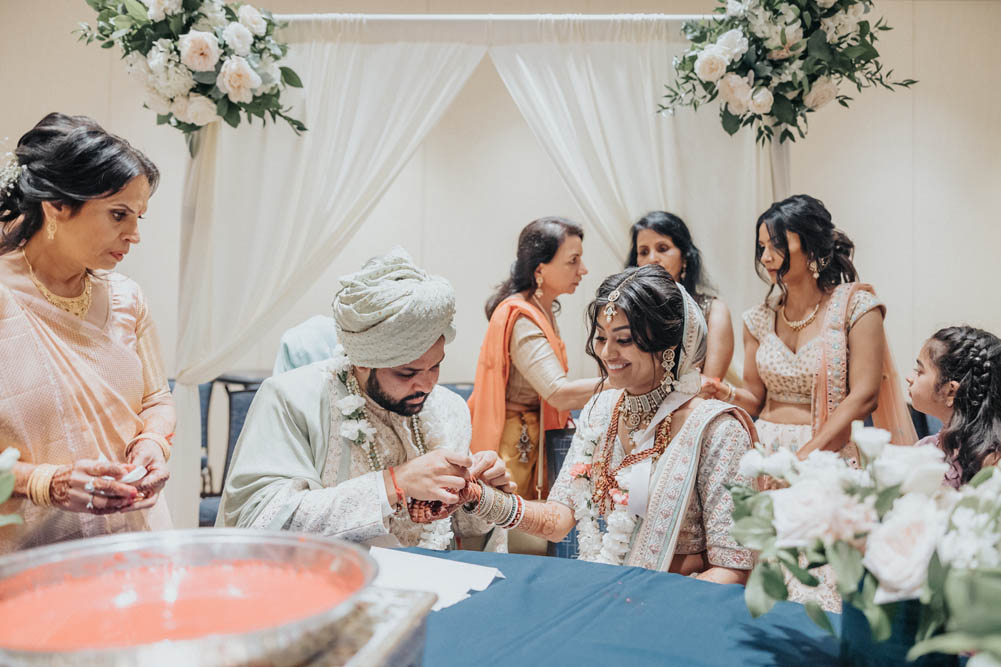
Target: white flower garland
(611, 547)
(358, 431)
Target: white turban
(391, 312)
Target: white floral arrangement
(199, 60)
(877, 527)
(772, 62)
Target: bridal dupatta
(831, 383)
(71, 389)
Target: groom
(339, 446)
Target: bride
(649, 458)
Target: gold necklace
(77, 306)
(800, 324)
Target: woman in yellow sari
(83, 394)
(521, 375)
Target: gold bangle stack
(40, 484)
(155, 437)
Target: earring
(683, 269)
(814, 269)
(948, 403)
(538, 286)
(667, 361)
(50, 230)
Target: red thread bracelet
(396, 487)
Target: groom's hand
(490, 468)
(435, 476)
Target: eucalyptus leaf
(819, 616)
(137, 11)
(290, 78)
(752, 531)
(205, 77)
(846, 561)
(731, 124)
(884, 501)
(232, 116)
(792, 564)
(773, 582)
(818, 47)
(758, 601)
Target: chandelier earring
(814, 269)
(50, 230)
(538, 286)
(667, 362)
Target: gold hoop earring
(538, 287)
(50, 230)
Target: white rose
(160, 55)
(157, 102)
(213, 16)
(761, 101)
(750, 464)
(898, 550)
(870, 440)
(238, 38)
(823, 91)
(157, 10)
(9, 458)
(179, 107)
(201, 109)
(801, 513)
(252, 19)
(173, 81)
(736, 92)
(779, 464)
(137, 67)
(827, 467)
(711, 64)
(735, 8)
(915, 469)
(238, 80)
(199, 50)
(825, 4)
(733, 43)
(851, 520)
(270, 75)
(351, 429)
(350, 404)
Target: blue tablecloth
(566, 612)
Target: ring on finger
(90, 502)
(89, 486)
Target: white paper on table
(450, 580)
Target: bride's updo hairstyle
(65, 159)
(820, 240)
(653, 306)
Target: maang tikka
(610, 308)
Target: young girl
(957, 378)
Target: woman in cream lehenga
(83, 395)
(649, 456)
(815, 354)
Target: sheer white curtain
(265, 212)
(589, 89)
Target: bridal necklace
(77, 306)
(798, 325)
(639, 410)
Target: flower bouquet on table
(199, 60)
(878, 527)
(772, 62)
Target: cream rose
(711, 64)
(898, 550)
(823, 91)
(238, 38)
(157, 10)
(733, 43)
(201, 110)
(157, 102)
(736, 92)
(199, 50)
(915, 469)
(870, 440)
(252, 20)
(238, 80)
(801, 513)
(761, 101)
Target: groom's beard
(400, 407)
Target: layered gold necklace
(77, 306)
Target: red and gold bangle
(396, 487)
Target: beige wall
(911, 176)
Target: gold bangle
(40, 484)
(155, 437)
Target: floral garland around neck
(357, 430)
(594, 546)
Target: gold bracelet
(732, 391)
(155, 437)
(40, 484)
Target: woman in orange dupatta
(815, 357)
(83, 394)
(521, 388)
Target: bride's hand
(711, 387)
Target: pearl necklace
(803, 323)
(77, 306)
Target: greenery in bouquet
(199, 60)
(772, 62)
(877, 526)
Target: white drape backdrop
(266, 211)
